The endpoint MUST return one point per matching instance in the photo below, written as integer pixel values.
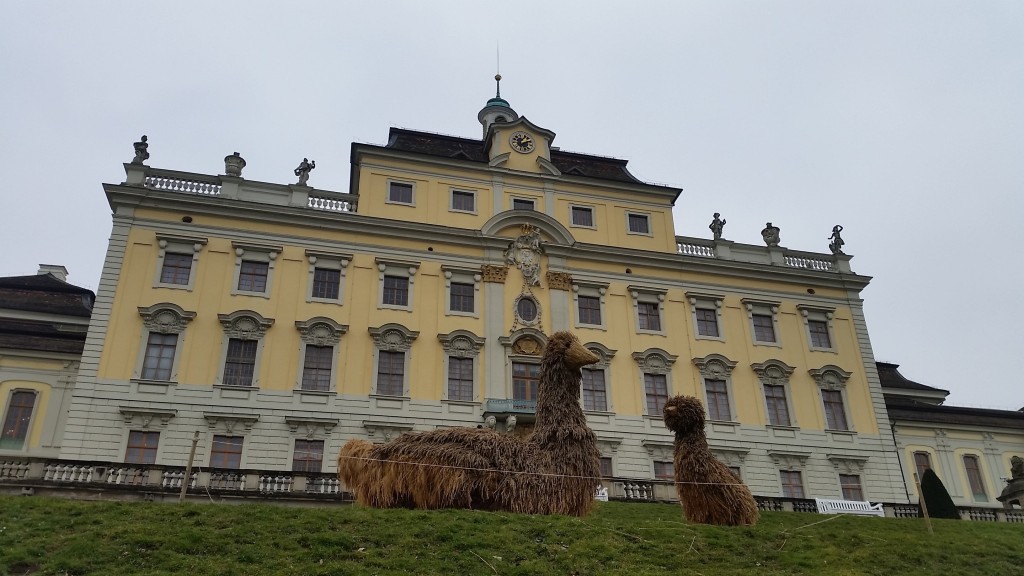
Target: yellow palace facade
(280, 320)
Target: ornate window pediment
(848, 464)
(773, 372)
(789, 460)
(604, 353)
(310, 426)
(461, 343)
(165, 318)
(658, 449)
(146, 415)
(393, 337)
(320, 331)
(830, 377)
(384, 431)
(525, 342)
(733, 457)
(230, 422)
(655, 360)
(245, 324)
(714, 366)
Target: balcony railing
(511, 406)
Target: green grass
(52, 536)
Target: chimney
(56, 270)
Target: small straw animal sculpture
(709, 492)
(552, 471)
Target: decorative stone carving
(559, 280)
(608, 445)
(305, 167)
(655, 360)
(141, 150)
(717, 225)
(461, 344)
(387, 431)
(770, 235)
(1016, 467)
(730, 456)
(714, 366)
(490, 422)
(320, 331)
(836, 244)
(165, 318)
(830, 377)
(658, 449)
(525, 253)
(773, 372)
(527, 346)
(1013, 493)
(393, 337)
(311, 426)
(245, 324)
(494, 273)
(510, 423)
(233, 165)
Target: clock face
(521, 142)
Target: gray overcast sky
(902, 121)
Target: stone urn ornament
(770, 235)
(233, 165)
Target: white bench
(849, 507)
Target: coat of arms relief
(525, 253)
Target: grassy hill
(49, 536)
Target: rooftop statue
(836, 244)
(141, 151)
(1016, 467)
(717, 225)
(305, 167)
(770, 234)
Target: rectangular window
(141, 447)
(664, 470)
(595, 397)
(308, 456)
(973, 469)
(240, 364)
(582, 216)
(396, 290)
(656, 390)
(252, 276)
(316, 368)
(778, 410)
(462, 297)
(400, 192)
(638, 224)
(525, 378)
(463, 201)
(16, 423)
(326, 283)
(718, 400)
(737, 473)
(819, 334)
(707, 322)
(159, 360)
(792, 484)
(649, 316)
(176, 268)
(922, 461)
(390, 373)
(835, 414)
(606, 467)
(226, 452)
(590, 310)
(520, 204)
(850, 484)
(460, 378)
(764, 328)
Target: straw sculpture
(708, 490)
(552, 471)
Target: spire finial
(497, 79)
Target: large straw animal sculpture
(552, 471)
(708, 490)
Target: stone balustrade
(154, 482)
